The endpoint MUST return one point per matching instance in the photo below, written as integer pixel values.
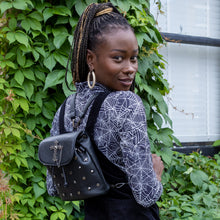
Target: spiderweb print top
(120, 133)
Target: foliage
(216, 143)
(35, 40)
(191, 188)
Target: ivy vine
(35, 38)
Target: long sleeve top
(120, 133)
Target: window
(193, 71)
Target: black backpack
(70, 157)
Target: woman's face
(114, 61)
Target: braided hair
(96, 20)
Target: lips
(126, 81)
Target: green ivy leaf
(53, 208)
(35, 24)
(54, 78)
(16, 132)
(207, 199)
(57, 215)
(47, 13)
(41, 51)
(11, 37)
(38, 191)
(21, 59)
(61, 59)
(5, 6)
(198, 177)
(9, 55)
(19, 4)
(21, 37)
(17, 188)
(10, 64)
(19, 77)
(28, 73)
(123, 5)
(26, 25)
(36, 15)
(166, 154)
(60, 39)
(157, 119)
(80, 7)
(12, 24)
(50, 62)
(24, 104)
(7, 131)
(61, 10)
(216, 143)
(28, 88)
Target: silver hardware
(79, 167)
(97, 184)
(78, 192)
(86, 159)
(74, 181)
(63, 194)
(89, 188)
(58, 185)
(55, 148)
(54, 176)
(83, 178)
(92, 171)
(71, 194)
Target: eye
(133, 58)
(118, 58)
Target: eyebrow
(123, 51)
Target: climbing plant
(35, 38)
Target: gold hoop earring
(93, 79)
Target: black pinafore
(118, 203)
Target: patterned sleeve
(135, 147)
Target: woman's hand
(158, 166)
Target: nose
(130, 68)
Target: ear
(90, 58)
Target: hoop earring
(93, 79)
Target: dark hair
(88, 33)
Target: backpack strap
(61, 118)
(94, 112)
(92, 115)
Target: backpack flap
(58, 150)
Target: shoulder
(125, 99)
(122, 105)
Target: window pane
(193, 71)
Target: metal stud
(79, 167)
(58, 185)
(89, 188)
(97, 184)
(83, 178)
(71, 194)
(74, 181)
(92, 171)
(78, 193)
(86, 159)
(63, 194)
(54, 176)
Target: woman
(105, 48)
